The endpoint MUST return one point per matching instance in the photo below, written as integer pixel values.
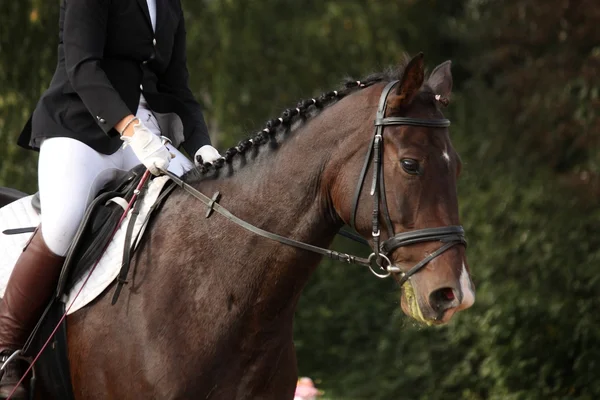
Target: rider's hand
(148, 148)
(206, 154)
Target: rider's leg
(31, 283)
(70, 174)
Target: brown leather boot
(29, 288)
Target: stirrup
(17, 355)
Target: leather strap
(122, 277)
(131, 246)
(376, 232)
(361, 181)
(430, 123)
(363, 172)
(406, 275)
(386, 212)
(443, 234)
(18, 231)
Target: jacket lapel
(161, 13)
(144, 5)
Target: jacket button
(141, 87)
(101, 120)
(145, 62)
(154, 42)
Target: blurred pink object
(305, 390)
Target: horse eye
(410, 166)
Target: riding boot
(32, 282)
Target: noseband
(449, 235)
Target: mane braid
(304, 110)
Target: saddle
(92, 237)
(99, 221)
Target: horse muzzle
(437, 306)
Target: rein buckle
(215, 199)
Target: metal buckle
(211, 205)
(345, 258)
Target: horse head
(408, 204)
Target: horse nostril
(448, 293)
(443, 299)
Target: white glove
(206, 154)
(148, 148)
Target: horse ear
(411, 82)
(440, 79)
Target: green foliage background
(525, 121)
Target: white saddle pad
(20, 214)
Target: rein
(214, 206)
(449, 235)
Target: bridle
(449, 235)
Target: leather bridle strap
(377, 144)
(405, 275)
(429, 123)
(377, 136)
(443, 234)
(451, 235)
(361, 181)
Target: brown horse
(209, 309)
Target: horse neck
(284, 191)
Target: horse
(209, 306)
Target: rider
(121, 81)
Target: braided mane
(304, 110)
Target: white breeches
(71, 174)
